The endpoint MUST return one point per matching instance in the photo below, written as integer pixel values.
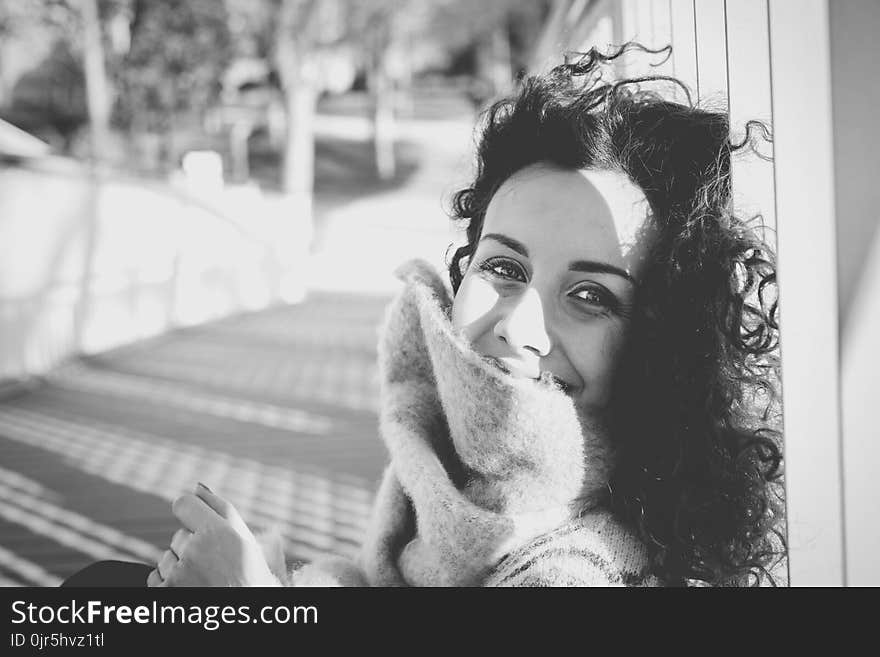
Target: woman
(593, 407)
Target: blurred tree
(49, 100)
(19, 15)
(298, 37)
(386, 31)
(304, 29)
(69, 86)
(177, 52)
(383, 24)
(38, 68)
(498, 33)
(97, 87)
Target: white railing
(90, 261)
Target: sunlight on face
(551, 284)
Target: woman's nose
(523, 326)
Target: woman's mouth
(551, 379)
(497, 363)
(545, 378)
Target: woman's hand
(213, 548)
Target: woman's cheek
(598, 363)
(475, 300)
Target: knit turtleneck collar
(480, 461)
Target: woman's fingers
(193, 512)
(179, 540)
(223, 508)
(154, 578)
(219, 504)
(209, 497)
(166, 564)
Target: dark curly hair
(699, 465)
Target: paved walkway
(274, 410)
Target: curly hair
(699, 465)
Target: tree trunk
(97, 89)
(298, 168)
(501, 66)
(494, 60)
(238, 149)
(383, 123)
(299, 87)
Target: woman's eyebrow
(594, 267)
(509, 242)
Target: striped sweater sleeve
(594, 550)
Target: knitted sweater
(493, 480)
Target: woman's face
(551, 284)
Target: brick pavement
(275, 410)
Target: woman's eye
(506, 269)
(593, 296)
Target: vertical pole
(805, 217)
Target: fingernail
(205, 487)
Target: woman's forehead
(627, 203)
(593, 213)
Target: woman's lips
(545, 378)
(555, 380)
(509, 367)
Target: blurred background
(202, 203)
